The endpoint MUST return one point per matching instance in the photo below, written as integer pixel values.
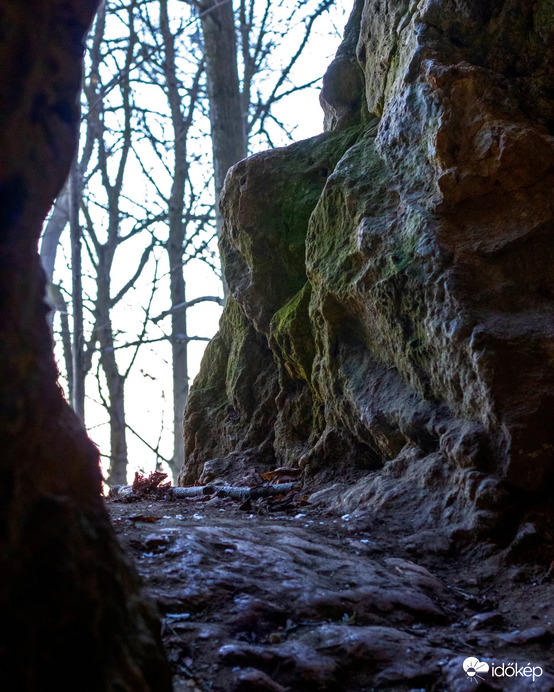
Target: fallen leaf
(143, 518)
(282, 471)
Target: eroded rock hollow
(70, 606)
(391, 318)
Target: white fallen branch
(193, 491)
(246, 493)
(241, 493)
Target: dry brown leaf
(145, 519)
(283, 471)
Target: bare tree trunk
(175, 245)
(58, 303)
(53, 231)
(179, 348)
(67, 352)
(115, 404)
(227, 119)
(103, 332)
(78, 393)
(116, 409)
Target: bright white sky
(148, 392)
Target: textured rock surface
(393, 308)
(70, 605)
(304, 601)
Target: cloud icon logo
(474, 668)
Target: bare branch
(144, 324)
(152, 449)
(183, 338)
(142, 263)
(188, 304)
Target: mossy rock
(267, 202)
(291, 333)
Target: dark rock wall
(71, 611)
(392, 283)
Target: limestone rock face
(396, 273)
(70, 605)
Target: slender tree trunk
(78, 393)
(175, 246)
(67, 352)
(53, 231)
(179, 348)
(118, 440)
(103, 333)
(58, 303)
(48, 250)
(115, 381)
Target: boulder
(396, 273)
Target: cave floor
(286, 596)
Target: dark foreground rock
(71, 611)
(392, 309)
(307, 601)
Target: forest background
(174, 93)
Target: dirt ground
(280, 595)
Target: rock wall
(72, 614)
(392, 313)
